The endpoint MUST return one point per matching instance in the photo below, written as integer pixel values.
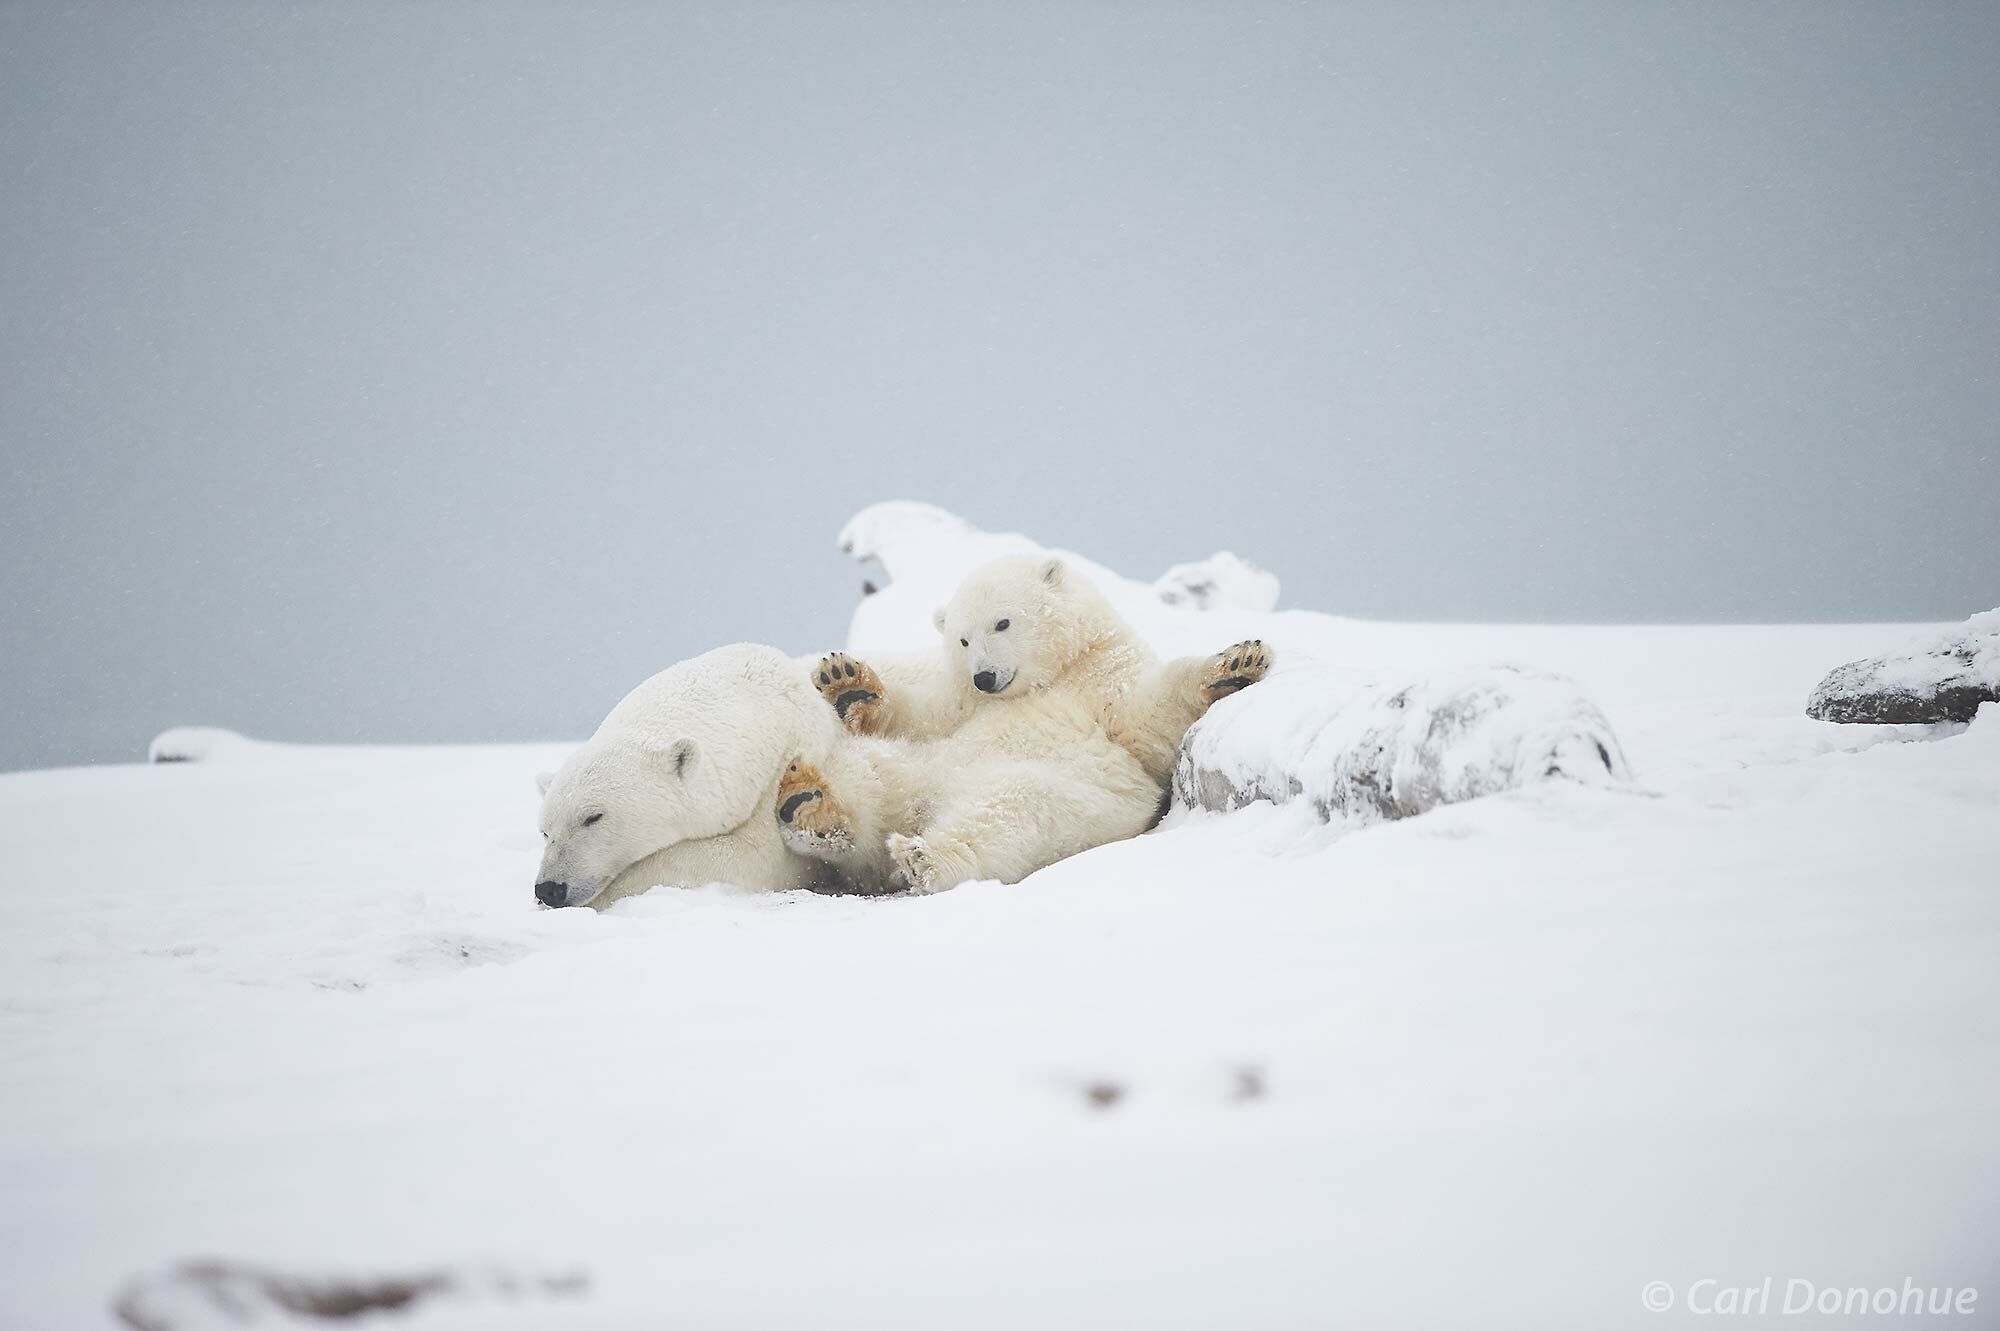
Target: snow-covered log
(1944, 680)
(1370, 752)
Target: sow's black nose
(552, 894)
(983, 681)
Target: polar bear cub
(1042, 728)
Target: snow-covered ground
(1503, 1064)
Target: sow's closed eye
(593, 819)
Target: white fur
(684, 770)
(1070, 747)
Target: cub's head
(610, 806)
(1016, 623)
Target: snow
(1499, 1064)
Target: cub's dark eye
(1001, 627)
(595, 817)
(963, 643)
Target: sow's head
(692, 752)
(608, 808)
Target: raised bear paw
(810, 821)
(851, 687)
(1235, 668)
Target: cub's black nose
(983, 681)
(552, 894)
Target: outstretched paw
(913, 862)
(851, 687)
(810, 822)
(1236, 668)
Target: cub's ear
(543, 780)
(937, 619)
(678, 754)
(1052, 572)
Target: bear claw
(1237, 667)
(849, 686)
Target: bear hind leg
(931, 863)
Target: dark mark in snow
(1103, 1094)
(208, 1293)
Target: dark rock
(1946, 680)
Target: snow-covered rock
(1380, 751)
(1945, 679)
(1222, 579)
(197, 744)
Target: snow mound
(927, 551)
(1380, 751)
(890, 531)
(1946, 679)
(1222, 579)
(198, 744)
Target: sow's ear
(1052, 572)
(679, 755)
(937, 619)
(543, 780)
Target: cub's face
(1005, 628)
(607, 809)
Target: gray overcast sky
(437, 371)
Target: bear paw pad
(809, 821)
(1236, 667)
(850, 687)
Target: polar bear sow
(1043, 728)
(676, 785)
